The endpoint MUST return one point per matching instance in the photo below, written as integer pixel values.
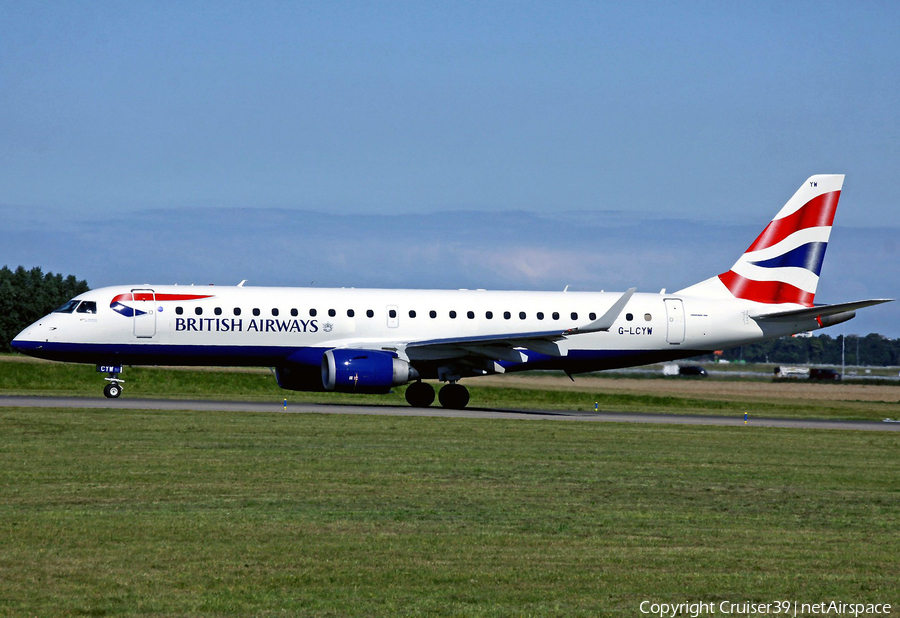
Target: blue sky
(125, 117)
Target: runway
(485, 413)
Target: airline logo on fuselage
(118, 305)
(239, 325)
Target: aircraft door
(393, 316)
(144, 305)
(674, 320)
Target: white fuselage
(178, 325)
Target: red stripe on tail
(818, 212)
(765, 291)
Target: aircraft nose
(21, 344)
(27, 341)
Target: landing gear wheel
(112, 390)
(454, 396)
(420, 395)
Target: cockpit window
(69, 307)
(87, 306)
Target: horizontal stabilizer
(819, 311)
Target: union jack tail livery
(783, 263)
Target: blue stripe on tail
(808, 256)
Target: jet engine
(364, 371)
(296, 377)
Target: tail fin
(783, 263)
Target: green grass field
(174, 513)
(112, 513)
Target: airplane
(371, 340)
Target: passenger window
(540, 315)
(350, 313)
(506, 315)
(217, 311)
(433, 313)
(69, 307)
(294, 313)
(489, 315)
(574, 315)
(255, 311)
(470, 315)
(237, 311)
(521, 315)
(592, 316)
(391, 314)
(412, 313)
(179, 310)
(198, 310)
(87, 306)
(648, 317)
(629, 317)
(555, 315)
(312, 313)
(452, 315)
(275, 313)
(332, 313)
(370, 313)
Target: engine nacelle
(364, 371)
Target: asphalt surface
(318, 408)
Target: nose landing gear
(114, 388)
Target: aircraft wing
(497, 347)
(504, 346)
(493, 347)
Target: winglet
(605, 322)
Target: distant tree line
(28, 295)
(873, 350)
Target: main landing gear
(420, 394)
(454, 396)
